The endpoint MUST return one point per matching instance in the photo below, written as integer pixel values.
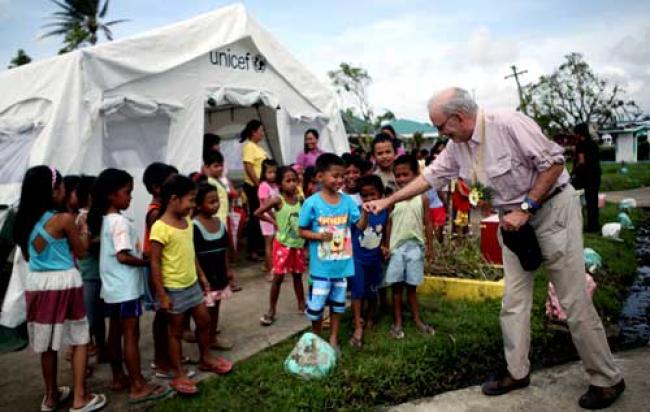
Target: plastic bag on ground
(612, 230)
(625, 221)
(311, 358)
(593, 261)
(627, 204)
(553, 308)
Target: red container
(490, 247)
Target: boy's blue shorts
(406, 264)
(366, 280)
(326, 292)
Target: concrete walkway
(21, 383)
(551, 390)
(642, 196)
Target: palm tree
(80, 21)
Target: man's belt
(555, 192)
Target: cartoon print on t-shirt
(370, 238)
(340, 247)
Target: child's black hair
(383, 138)
(209, 140)
(71, 182)
(212, 156)
(177, 185)
(108, 182)
(355, 161)
(407, 159)
(280, 175)
(84, 190)
(35, 199)
(202, 191)
(307, 176)
(371, 180)
(155, 175)
(266, 164)
(326, 161)
(389, 128)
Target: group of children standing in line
(347, 248)
(86, 262)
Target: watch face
(525, 206)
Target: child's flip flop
(96, 403)
(426, 329)
(267, 320)
(221, 367)
(184, 387)
(157, 392)
(64, 395)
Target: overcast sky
(411, 48)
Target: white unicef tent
(151, 98)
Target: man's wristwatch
(530, 206)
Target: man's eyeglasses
(444, 124)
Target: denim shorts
(326, 292)
(123, 310)
(406, 264)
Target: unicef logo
(238, 61)
(259, 63)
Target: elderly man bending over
(507, 152)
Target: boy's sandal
(64, 395)
(356, 342)
(97, 402)
(236, 288)
(184, 386)
(157, 392)
(190, 373)
(221, 367)
(267, 319)
(426, 329)
(396, 332)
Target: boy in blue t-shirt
(367, 246)
(325, 220)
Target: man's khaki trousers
(558, 226)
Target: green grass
(638, 175)
(466, 347)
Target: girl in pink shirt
(267, 189)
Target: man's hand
(514, 220)
(376, 206)
(326, 236)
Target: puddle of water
(635, 317)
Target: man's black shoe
(598, 397)
(503, 383)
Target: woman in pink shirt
(311, 153)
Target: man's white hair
(453, 100)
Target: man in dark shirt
(586, 173)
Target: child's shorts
(267, 228)
(406, 264)
(326, 292)
(438, 216)
(287, 260)
(366, 280)
(123, 310)
(184, 299)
